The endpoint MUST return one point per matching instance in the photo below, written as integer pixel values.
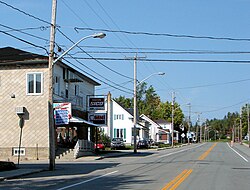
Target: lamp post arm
(159, 73)
(74, 45)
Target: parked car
(100, 146)
(117, 143)
(143, 144)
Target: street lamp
(97, 35)
(135, 99)
(51, 63)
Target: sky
(202, 46)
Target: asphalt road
(208, 166)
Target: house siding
(35, 130)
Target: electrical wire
(216, 84)
(25, 41)
(27, 14)
(91, 57)
(165, 34)
(18, 30)
(168, 60)
(166, 52)
(98, 78)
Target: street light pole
(189, 120)
(172, 124)
(51, 65)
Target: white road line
(165, 155)
(86, 181)
(237, 153)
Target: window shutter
(115, 132)
(124, 133)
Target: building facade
(24, 95)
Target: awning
(80, 120)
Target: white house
(153, 128)
(120, 124)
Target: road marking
(237, 153)
(86, 181)
(165, 155)
(177, 180)
(204, 155)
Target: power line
(216, 84)
(169, 60)
(25, 41)
(98, 78)
(20, 30)
(167, 52)
(27, 14)
(91, 57)
(165, 34)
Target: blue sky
(212, 88)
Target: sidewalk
(36, 166)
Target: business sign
(97, 118)
(62, 113)
(61, 117)
(96, 104)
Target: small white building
(120, 124)
(153, 128)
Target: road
(208, 166)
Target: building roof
(162, 121)
(12, 56)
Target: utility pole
(135, 58)
(200, 133)
(172, 125)
(205, 128)
(50, 101)
(240, 135)
(248, 125)
(197, 127)
(189, 121)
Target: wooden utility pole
(189, 121)
(135, 58)
(50, 101)
(172, 125)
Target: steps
(64, 153)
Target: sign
(63, 106)
(61, 117)
(96, 104)
(97, 118)
(183, 135)
(62, 113)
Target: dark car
(117, 143)
(143, 144)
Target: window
(118, 117)
(120, 133)
(16, 151)
(34, 83)
(57, 85)
(77, 90)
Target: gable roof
(149, 120)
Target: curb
(20, 172)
